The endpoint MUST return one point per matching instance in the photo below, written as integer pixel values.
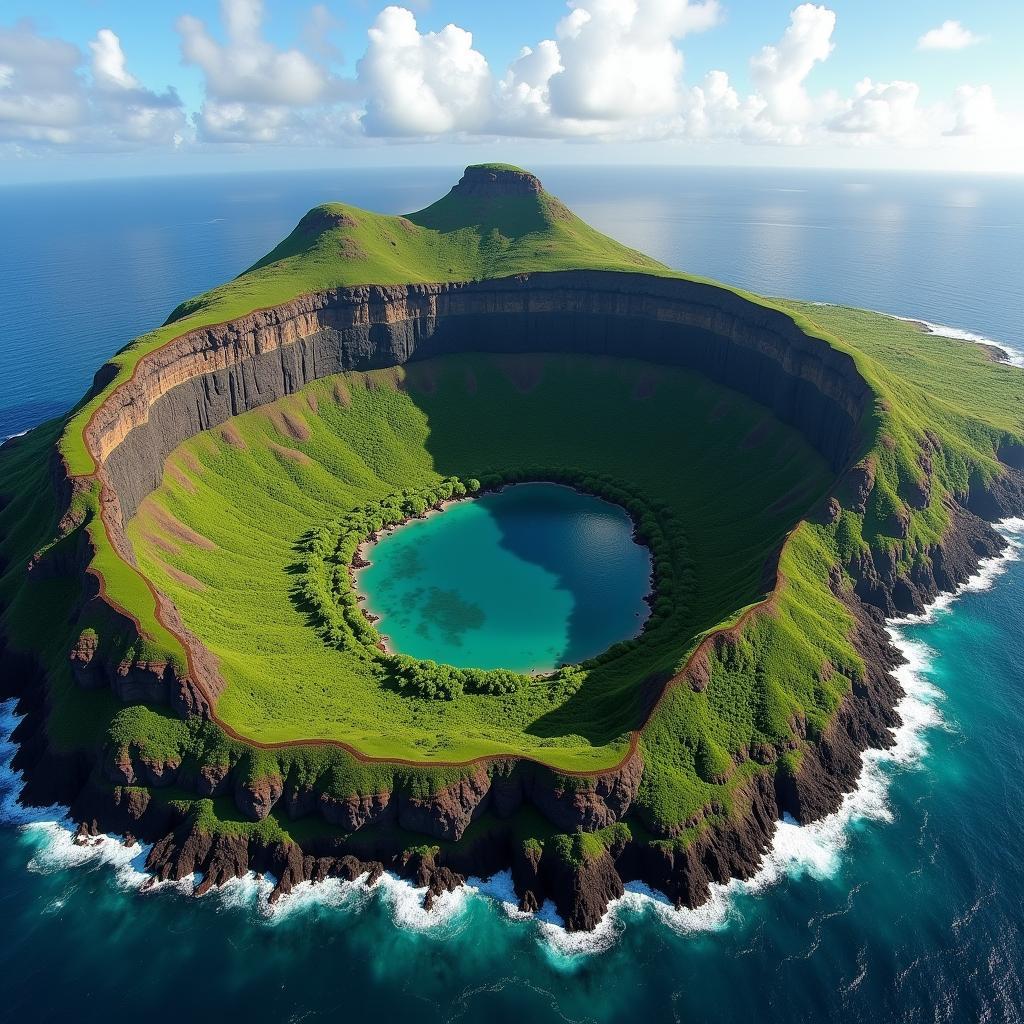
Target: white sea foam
(405, 903)
(989, 570)
(332, 893)
(814, 850)
(1016, 355)
(11, 812)
(7, 437)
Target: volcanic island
(195, 669)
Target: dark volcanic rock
(483, 182)
(526, 858)
(866, 719)
(590, 802)
(944, 567)
(447, 813)
(351, 813)
(256, 799)
(581, 892)
(82, 661)
(229, 369)
(205, 376)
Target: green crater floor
(219, 536)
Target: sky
(98, 88)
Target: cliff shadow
(472, 432)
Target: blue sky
(97, 87)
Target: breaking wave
(813, 850)
(1015, 356)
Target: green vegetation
(455, 239)
(251, 497)
(330, 552)
(715, 483)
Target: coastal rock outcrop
(205, 376)
(587, 802)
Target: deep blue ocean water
(528, 578)
(906, 906)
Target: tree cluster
(331, 551)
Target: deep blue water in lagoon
(905, 908)
(528, 578)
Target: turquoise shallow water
(904, 908)
(527, 578)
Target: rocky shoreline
(580, 881)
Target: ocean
(904, 906)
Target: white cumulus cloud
(247, 68)
(608, 70)
(255, 91)
(417, 83)
(47, 98)
(780, 71)
(613, 69)
(950, 35)
(108, 61)
(974, 111)
(620, 59)
(886, 110)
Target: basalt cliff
(208, 373)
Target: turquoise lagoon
(528, 578)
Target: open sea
(907, 905)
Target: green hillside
(455, 239)
(232, 533)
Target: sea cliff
(469, 814)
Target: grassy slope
(455, 239)
(922, 383)
(947, 388)
(735, 494)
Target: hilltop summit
(491, 181)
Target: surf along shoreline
(794, 849)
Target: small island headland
(179, 620)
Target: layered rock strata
(208, 375)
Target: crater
(528, 578)
(588, 498)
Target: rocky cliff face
(488, 182)
(206, 376)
